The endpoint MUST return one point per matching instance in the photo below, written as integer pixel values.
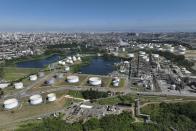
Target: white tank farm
(41, 74)
(36, 99)
(10, 103)
(130, 55)
(4, 85)
(94, 81)
(18, 85)
(51, 97)
(67, 68)
(72, 79)
(33, 77)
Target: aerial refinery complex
(115, 65)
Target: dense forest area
(121, 122)
(178, 116)
(165, 117)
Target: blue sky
(98, 15)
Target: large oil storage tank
(72, 79)
(4, 85)
(33, 77)
(18, 85)
(10, 103)
(51, 97)
(95, 81)
(36, 99)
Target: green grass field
(14, 73)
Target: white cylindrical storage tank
(67, 61)
(71, 62)
(142, 53)
(67, 68)
(4, 85)
(10, 103)
(69, 58)
(79, 58)
(160, 49)
(156, 55)
(74, 58)
(126, 62)
(36, 99)
(18, 85)
(94, 81)
(72, 79)
(145, 57)
(123, 49)
(33, 77)
(130, 55)
(60, 62)
(173, 87)
(115, 83)
(180, 52)
(41, 74)
(51, 97)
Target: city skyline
(88, 15)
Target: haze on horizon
(98, 15)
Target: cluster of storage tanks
(20, 85)
(95, 81)
(33, 100)
(144, 56)
(179, 50)
(70, 60)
